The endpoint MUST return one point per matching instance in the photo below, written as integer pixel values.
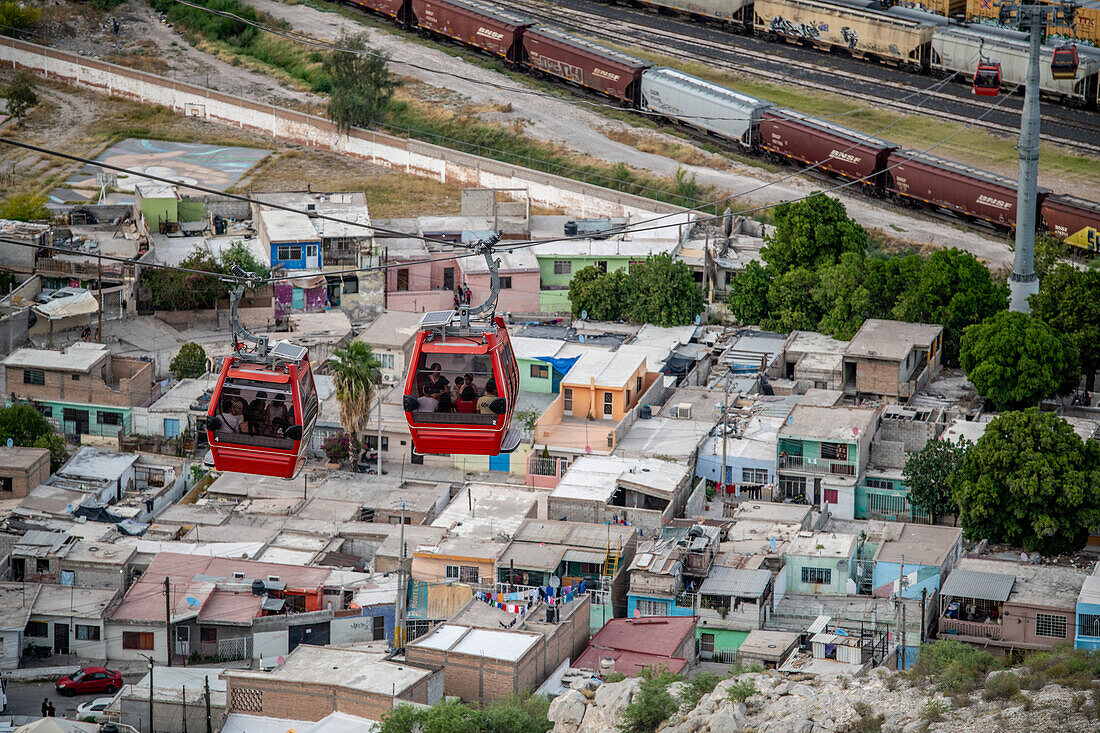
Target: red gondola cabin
(461, 391)
(987, 79)
(1063, 62)
(255, 420)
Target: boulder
(723, 720)
(567, 709)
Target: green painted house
(559, 261)
(821, 564)
(536, 374)
(882, 494)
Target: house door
(706, 646)
(313, 257)
(75, 422)
(18, 568)
(378, 628)
(448, 278)
(171, 427)
(316, 634)
(183, 641)
(817, 492)
(60, 637)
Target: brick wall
(877, 377)
(297, 700)
(22, 481)
(132, 386)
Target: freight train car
(474, 23)
(916, 177)
(735, 13)
(958, 49)
(789, 135)
(1086, 20)
(703, 105)
(1073, 219)
(862, 33)
(399, 10)
(946, 8)
(574, 60)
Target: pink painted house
(520, 282)
(425, 283)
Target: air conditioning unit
(388, 378)
(682, 410)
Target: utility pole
(725, 430)
(206, 694)
(1031, 19)
(168, 618)
(402, 587)
(378, 390)
(183, 708)
(99, 274)
(150, 659)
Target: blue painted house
(1088, 615)
(377, 602)
(921, 555)
(291, 238)
(657, 581)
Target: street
(25, 698)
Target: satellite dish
(280, 660)
(698, 319)
(637, 613)
(584, 315)
(855, 431)
(10, 442)
(588, 449)
(555, 581)
(581, 338)
(68, 508)
(192, 602)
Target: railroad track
(722, 55)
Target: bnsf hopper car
(862, 33)
(918, 177)
(703, 105)
(397, 9)
(786, 134)
(577, 61)
(737, 13)
(1073, 219)
(1086, 19)
(475, 24)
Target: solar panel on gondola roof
(288, 351)
(435, 319)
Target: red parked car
(87, 680)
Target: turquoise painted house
(882, 494)
(920, 555)
(540, 368)
(821, 564)
(1088, 615)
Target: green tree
(238, 254)
(601, 294)
(189, 362)
(1030, 481)
(651, 705)
(790, 304)
(955, 291)
(858, 288)
(174, 290)
(1016, 360)
(748, 293)
(25, 207)
(355, 372)
(58, 448)
(1067, 301)
(21, 96)
(928, 476)
(662, 291)
(23, 424)
(811, 232)
(513, 714)
(1049, 252)
(362, 87)
(16, 19)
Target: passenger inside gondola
(256, 413)
(448, 383)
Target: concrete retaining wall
(290, 126)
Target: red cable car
(461, 391)
(987, 78)
(1063, 62)
(264, 406)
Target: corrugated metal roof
(976, 584)
(723, 581)
(591, 556)
(531, 556)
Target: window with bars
(817, 576)
(109, 418)
(506, 283)
(652, 608)
(1088, 625)
(608, 403)
(567, 399)
(754, 475)
(831, 496)
(288, 252)
(37, 629)
(385, 360)
(137, 640)
(887, 505)
(208, 634)
(540, 371)
(879, 483)
(792, 487)
(246, 700)
(1050, 625)
(834, 451)
(563, 267)
(34, 376)
(87, 633)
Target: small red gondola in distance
(987, 78)
(1063, 62)
(461, 390)
(264, 406)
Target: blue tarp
(561, 366)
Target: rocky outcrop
(792, 704)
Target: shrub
(337, 448)
(954, 667)
(651, 705)
(614, 677)
(741, 691)
(189, 362)
(1001, 687)
(699, 685)
(933, 711)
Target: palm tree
(355, 373)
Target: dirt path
(580, 129)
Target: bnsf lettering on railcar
(846, 157)
(995, 203)
(559, 68)
(495, 35)
(605, 74)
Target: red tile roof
(634, 644)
